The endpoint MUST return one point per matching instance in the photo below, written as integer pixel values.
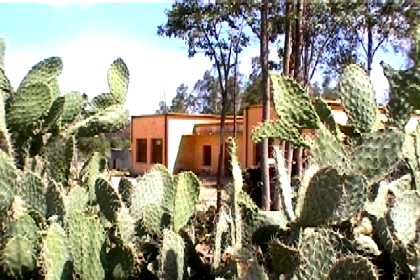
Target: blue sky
(90, 36)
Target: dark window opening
(207, 155)
(157, 151)
(141, 149)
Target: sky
(88, 35)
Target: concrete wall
(177, 128)
(149, 127)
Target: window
(141, 149)
(157, 151)
(207, 155)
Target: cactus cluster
(350, 204)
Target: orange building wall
(148, 127)
(252, 117)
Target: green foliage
(172, 266)
(107, 198)
(353, 268)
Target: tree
(183, 102)
(209, 28)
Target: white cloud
(153, 71)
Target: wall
(179, 126)
(148, 127)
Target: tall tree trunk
(235, 85)
(298, 39)
(370, 38)
(220, 160)
(265, 176)
(287, 41)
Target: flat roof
(189, 116)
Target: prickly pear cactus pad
(125, 188)
(108, 199)
(120, 262)
(30, 104)
(32, 191)
(17, 258)
(317, 254)
(43, 72)
(55, 254)
(358, 98)
(292, 102)
(73, 104)
(59, 153)
(90, 172)
(5, 144)
(377, 154)
(172, 254)
(187, 188)
(86, 237)
(321, 198)
(404, 216)
(76, 200)
(353, 267)
(284, 258)
(8, 174)
(54, 198)
(110, 119)
(277, 129)
(327, 150)
(118, 77)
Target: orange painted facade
(183, 137)
(191, 142)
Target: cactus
(377, 154)
(277, 129)
(284, 257)
(54, 198)
(172, 252)
(158, 199)
(120, 262)
(73, 104)
(125, 188)
(55, 254)
(59, 154)
(43, 72)
(86, 237)
(76, 200)
(30, 104)
(292, 103)
(90, 172)
(18, 257)
(353, 267)
(108, 199)
(118, 80)
(32, 190)
(358, 98)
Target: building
(191, 142)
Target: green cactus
(53, 117)
(125, 225)
(404, 216)
(277, 129)
(118, 77)
(125, 188)
(317, 254)
(325, 114)
(353, 267)
(108, 199)
(172, 263)
(358, 98)
(43, 72)
(110, 119)
(327, 149)
(55, 254)
(120, 262)
(292, 103)
(92, 168)
(86, 237)
(30, 104)
(32, 190)
(73, 104)
(8, 182)
(320, 199)
(59, 154)
(284, 258)
(76, 200)
(54, 198)
(159, 198)
(17, 258)
(5, 143)
(377, 154)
